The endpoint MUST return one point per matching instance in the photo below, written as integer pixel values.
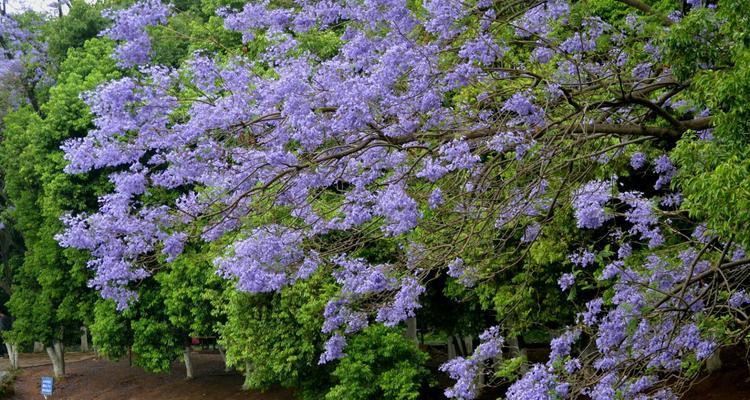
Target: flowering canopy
(473, 123)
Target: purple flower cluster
(130, 26)
(465, 274)
(641, 215)
(663, 166)
(337, 143)
(588, 204)
(583, 258)
(264, 261)
(566, 281)
(638, 160)
(465, 371)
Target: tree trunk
(224, 358)
(12, 355)
(459, 346)
(38, 347)
(451, 349)
(514, 350)
(56, 354)
(188, 363)
(84, 339)
(411, 328)
(713, 363)
(248, 368)
(469, 345)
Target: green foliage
(110, 332)
(279, 334)
(51, 299)
(190, 287)
(715, 175)
(380, 364)
(144, 327)
(511, 368)
(155, 341)
(83, 21)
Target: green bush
(380, 364)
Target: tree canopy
(303, 178)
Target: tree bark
(12, 355)
(459, 345)
(38, 347)
(248, 368)
(188, 363)
(713, 363)
(469, 345)
(56, 354)
(411, 328)
(84, 339)
(224, 358)
(514, 350)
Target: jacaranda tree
(597, 144)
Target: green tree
(380, 364)
(50, 300)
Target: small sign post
(47, 382)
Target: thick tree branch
(645, 8)
(643, 130)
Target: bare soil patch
(97, 379)
(90, 378)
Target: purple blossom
(642, 70)
(624, 251)
(542, 55)
(671, 200)
(738, 254)
(531, 232)
(583, 258)
(466, 370)
(398, 209)
(663, 166)
(588, 203)
(130, 26)
(738, 299)
(539, 383)
(334, 349)
(637, 160)
(593, 308)
(173, 245)
(566, 281)
(538, 20)
(404, 303)
(264, 261)
(641, 215)
(482, 50)
(357, 276)
(561, 345)
(466, 275)
(702, 234)
(436, 199)
(528, 113)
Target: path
(97, 379)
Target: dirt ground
(90, 378)
(724, 385)
(97, 379)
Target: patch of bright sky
(17, 6)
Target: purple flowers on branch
(130, 27)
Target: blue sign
(47, 385)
